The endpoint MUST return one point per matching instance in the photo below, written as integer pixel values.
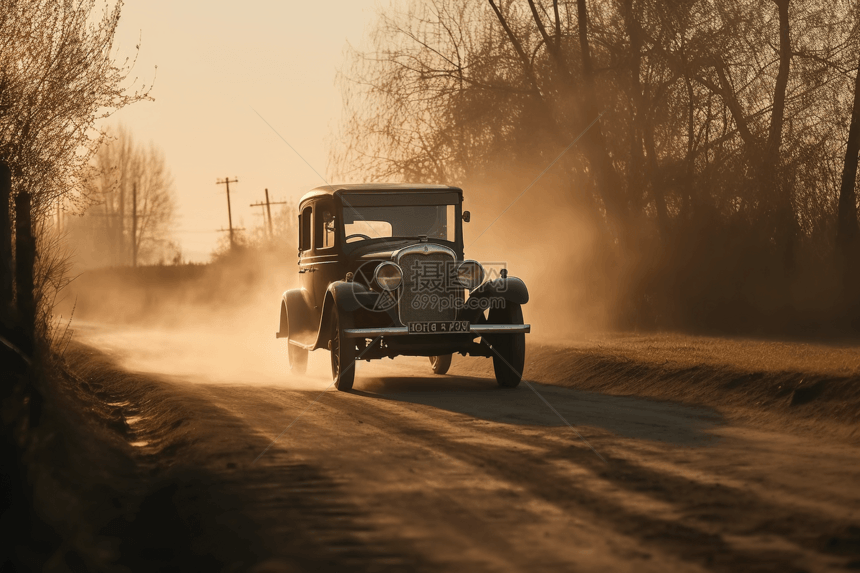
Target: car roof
(381, 188)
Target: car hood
(385, 254)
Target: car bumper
(479, 329)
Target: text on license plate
(428, 327)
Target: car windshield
(365, 223)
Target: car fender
(296, 322)
(511, 289)
(340, 294)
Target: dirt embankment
(784, 384)
(108, 505)
(78, 475)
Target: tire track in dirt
(417, 472)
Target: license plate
(438, 327)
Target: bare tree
(57, 79)
(715, 158)
(132, 218)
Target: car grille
(426, 293)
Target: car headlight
(470, 274)
(388, 276)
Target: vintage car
(382, 274)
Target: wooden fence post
(25, 260)
(6, 274)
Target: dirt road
(413, 471)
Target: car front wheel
(509, 356)
(441, 364)
(342, 351)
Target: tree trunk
(635, 169)
(642, 175)
(6, 274)
(784, 221)
(769, 158)
(847, 226)
(25, 259)
(608, 181)
(847, 229)
(777, 116)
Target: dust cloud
(213, 344)
(538, 230)
(212, 322)
(196, 352)
(217, 322)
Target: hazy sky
(217, 62)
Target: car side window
(325, 227)
(305, 229)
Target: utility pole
(268, 207)
(227, 182)
(120, 235)
(134, 224)
(269, 212)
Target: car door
(326, 259)
(306, 257)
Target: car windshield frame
(400, 199)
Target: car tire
(298, 358)
(342, 351)
(441, 364)
(509, 357)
